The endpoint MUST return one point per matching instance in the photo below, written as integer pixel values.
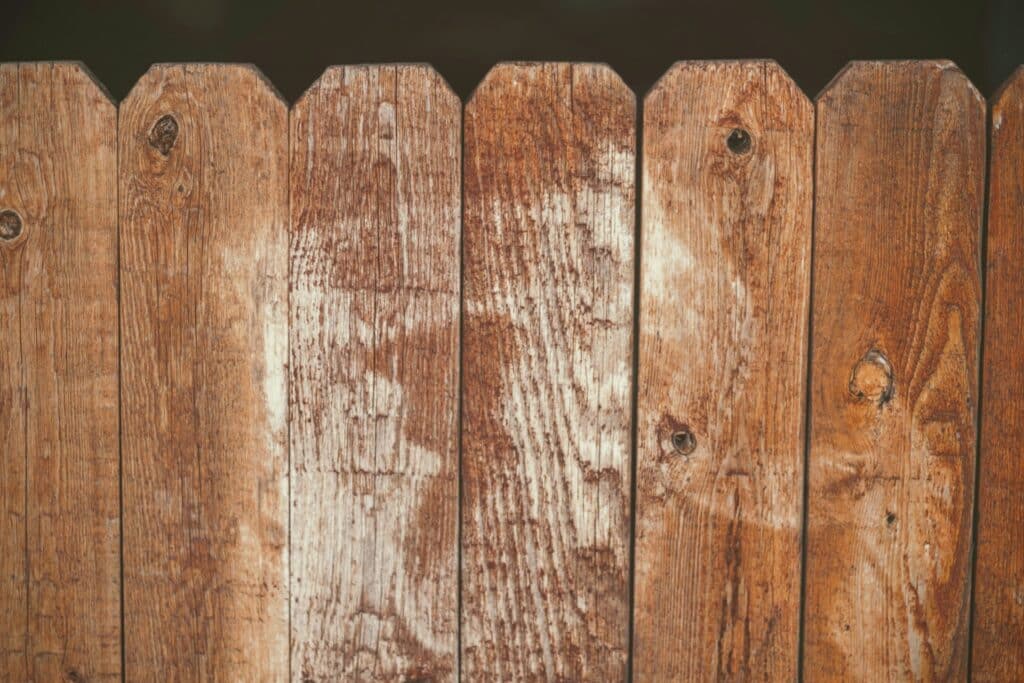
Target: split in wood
(10, 225)
(164, 134)
(871, 379)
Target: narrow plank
(724, 290)
(59, 510)
(999, 581)
(894, 380)
(547, 363)
(374, 325)
(204, 258)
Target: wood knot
(10, 225)
(164, 134)
(675, 437)
(683, 441)
(739, 141)
(871, 379)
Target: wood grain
(374, 321)
(724, 289)
(998, 639)
(547, 364)
(59, 508)
(894, 381)
(204, 258)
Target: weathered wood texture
(724, 288)
(894, 381)
(374, 320)
(59, 508)
(204, 258)
(547, 365)
(999, 580)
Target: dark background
(293, 41)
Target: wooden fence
(385, 388)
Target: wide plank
(374, 329)
(998, 640)
(547, 367)
(59, 510)
(894, 379)
(724, 289)
(204, 277)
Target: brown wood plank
(374, 321)
(59, 510)
(894, 380)
(999, 581)
(204, 258)
(724, 289)
(547, 365)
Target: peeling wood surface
(204, 258)
(374, 313)
(999, 581)
(547, 364)
(59, 509)
(724, 287)
(894, 381)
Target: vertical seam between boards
(980, 386)
(805, 516)
(635, 365)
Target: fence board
(59, 508)
(375, 205)
(899, 187)
(999, 581)
(548, 254)
(725, 282)
(203, 205)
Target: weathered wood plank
(894, 381)
(59, 509)
(999, 581)
(204, 258)
(724, 289)
(548, 256)
(374, 322)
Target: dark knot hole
(739, 141)
(684, 441)
(10, 225)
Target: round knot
(871, 379)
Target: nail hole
(684, 441)
(164, 134)
(738, 141)
(10, 225)
(890, 518)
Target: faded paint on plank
(723, 328)
(547, 364)
(59, 508)
(998, 639)
(375, 204)
(204, 328)
(894, 382)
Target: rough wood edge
(500, 67)
(160, 67)
(858, 65)
(767, 64)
